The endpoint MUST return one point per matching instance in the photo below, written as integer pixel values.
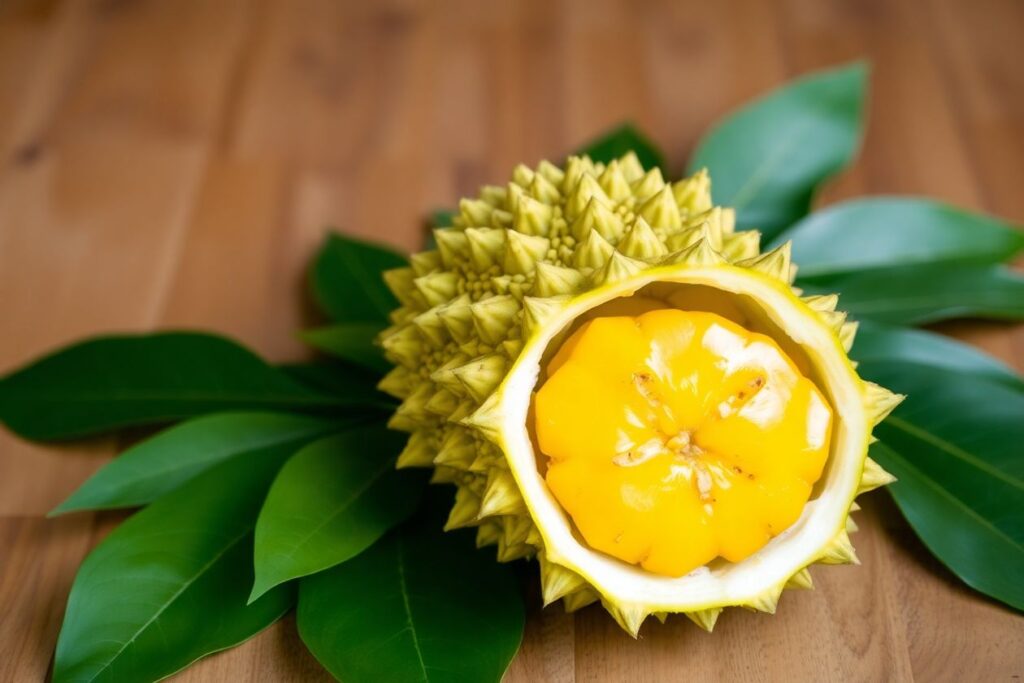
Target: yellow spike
(556, 581)
(630, 616)
(552, 280)
(700, 253)
(801, 580)
(775, 263)
(522, 175)
(412, 413)
(401, 283)
(848, 333)
(425, 262)
(508, 553)
(405, 346)
(741, 245)
(542, 190)
(515, 529)
(694, 193)
(486, 246)
(494, 195)
(431, 328)
(443, 475)
(492, 317)
(647, 185)
(458, 319)
(488, 533)
(873, 477)
(437, 288)
(536, 311)
(532, 217)
(597, 217)
(879, 401)
(632, 169)
(854, 507)
(475, 211)
(767, 601)
(512, 348)
(822, 303)
(575, 167)
(705, 618)
(397, 383)
(839, 550)
(458, 449)
(586, 189)
(592, 251)
(640, 242)
(660, 616)
(833, 319)
(481, 376)
(579, 599)
(851, 526)
(614, 183)
(660, 210)
(452, 245)
(465, 511)
(522, 252)
(443, 403)
(501, 497)
(552, 173)
(618, 268)
(418, 451)
(486, 419)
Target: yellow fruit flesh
(677, 437)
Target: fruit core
(673, 438)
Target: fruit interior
(675, 429)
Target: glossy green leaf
(170, 584)
(330, 502)
(352, 342)
(164, 462)
(419, 605)
(955, 444)
(896, 232)
(111, 382)
(876, 343)
(346, 280)
(767, 159)
(622, 140)
(333, 377)
(924, 293)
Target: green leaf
(352, 342)
(338, 378)
(954, 444)
(164, 462)
(442, 218)
(170, 584)
(621, 140)
(111, 382)
(919, 294)
(420, 605)
(330, 502)
(897, 232)
(767, 159)
(346, 280)
(877, 343)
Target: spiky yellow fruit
(491, 317)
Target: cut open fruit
(599, 362)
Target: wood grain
(175, 163)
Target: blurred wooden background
(174, 164)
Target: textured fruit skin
(515, 261)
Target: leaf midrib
(177, 594)
(408, 608)
(758, 178)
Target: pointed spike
(698, 254)
(444, 475)
(834, 320)
(552, 280)
(839, 550)
(552, 173)
(579, 599)
(660, 210)
(597, 217)
(458, 319)
(592, 252)
(854, 507)
(630, 616)
(494, 316)
(694, 193)
(741, 245)
(475, 211)
(507, 553)
(705, 618)
(481, 376)
(495, 195)
(649, 184)
(404, 346)
(465, 511)
(431, 327)
(851, 526)
(775, 263)
(487, 418)
(640, 242)
(418, 451)
(848, 333)
(532, 217)
(443, 403)
(425, 262)
(522, 252)
(452, 245)
(488, 533)
(586, 189)
(614, 182)
(822, 303)
(458, 449)
(618, 268)
(556, 581)
(412, 413)
(873, 477)
(398, 382)
(542, 190)
(522, 175)
(536, 312)
(879, 401)
(486, 246)
(801, 580)
(632, 169)
(438, 288)
(501, 496)
(575, 167)
(767, 601)
(401, 283)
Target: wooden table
(174, 164)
